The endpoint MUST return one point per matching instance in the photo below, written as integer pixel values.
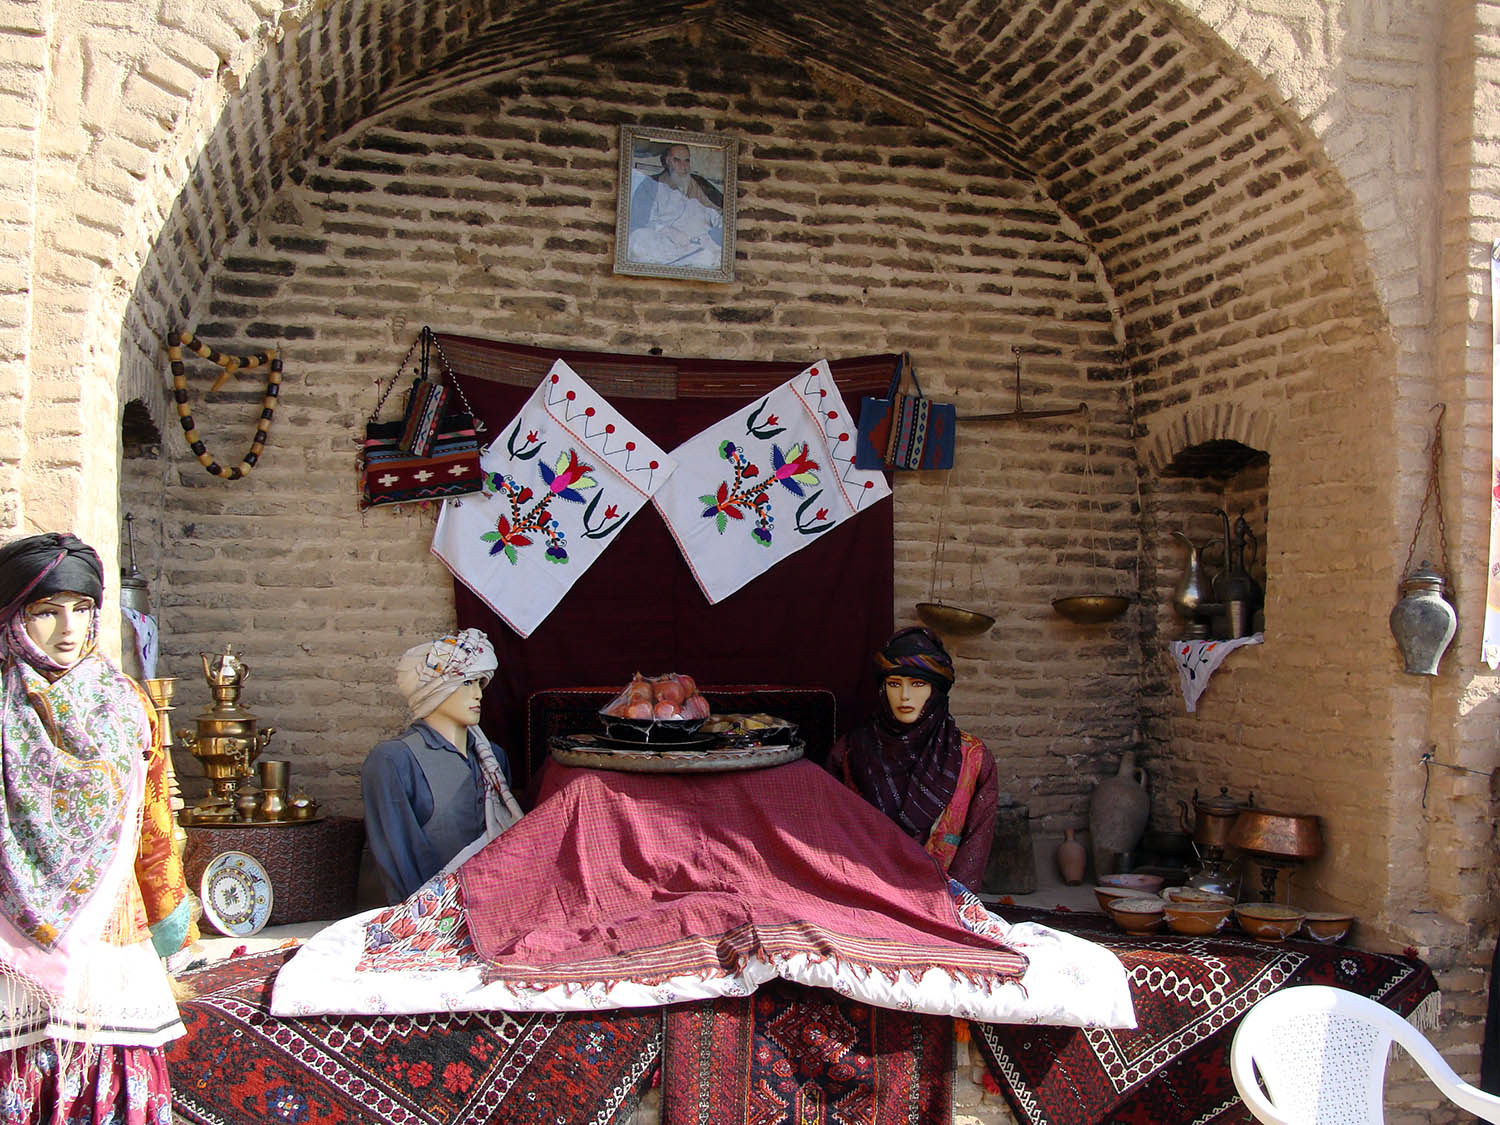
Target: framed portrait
(675, 216)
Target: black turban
(78, 571)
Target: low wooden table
(313, 865)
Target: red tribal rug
(789, 1053)
(1189, 994)
(238, 1065)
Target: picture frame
(689, 234)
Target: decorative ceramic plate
(236, 894)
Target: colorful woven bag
(428, 454)
(905, 431)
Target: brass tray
(194, 822)
(591, 752)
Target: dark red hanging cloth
(811, 621)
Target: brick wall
(1244, 210)
(490, 211)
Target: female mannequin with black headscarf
(913, 763)
(91, 889)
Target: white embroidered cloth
(147, 640)
(1197, 660)
(764, 482)
(559, 481)
(1069, 981)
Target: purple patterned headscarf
(910, 770)
(72, 745)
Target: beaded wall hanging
(176, 341)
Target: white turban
(429, 673)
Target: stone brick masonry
(1212, 220)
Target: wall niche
(1217, 493)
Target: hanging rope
(176, 341)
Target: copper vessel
(1276, 841)
(1277, 835)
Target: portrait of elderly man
(676, 215)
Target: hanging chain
(1433, 495)
(1091, 507)
(937, 555)
(426, 338)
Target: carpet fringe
(1426, 1016)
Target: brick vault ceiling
(1098, 100)
(1207, 203)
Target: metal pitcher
(1192, 589)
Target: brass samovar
(226, 741)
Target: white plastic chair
(1320, 1055)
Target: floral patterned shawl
(72, 746)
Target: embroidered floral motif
(568, 477)
(795, 470)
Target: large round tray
(586, 751)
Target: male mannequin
(439, 786)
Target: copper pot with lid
(1213, 817)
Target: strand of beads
(176, 341)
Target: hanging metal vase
(1423, 621)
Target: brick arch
(1253, 427)
(1229, 239)
(1217, 217)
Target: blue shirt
(411, 834)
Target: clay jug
(1072, 860)
(1118, 811)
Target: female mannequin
(439, 785)
(91, 889)
(913, 763)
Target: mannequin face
(58, 624)
(907, 696)
(461, 708)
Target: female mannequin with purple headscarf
(92, 893)
(913, 763)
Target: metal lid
(1424, 578)
(1223, 804)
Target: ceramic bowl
(1107, 895)
(1142, 884)
(1266, 921)
(1196, 918)
(1327, 926)
(1196, 894)
(1137, 915)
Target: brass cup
(274, 773)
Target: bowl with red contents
(665, 708)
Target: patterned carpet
(794, 1054)
(238, 1065)
(1189, 994)
(786, 1054)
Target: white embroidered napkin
(1198, 660)
(765, 481)
(559, 482)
